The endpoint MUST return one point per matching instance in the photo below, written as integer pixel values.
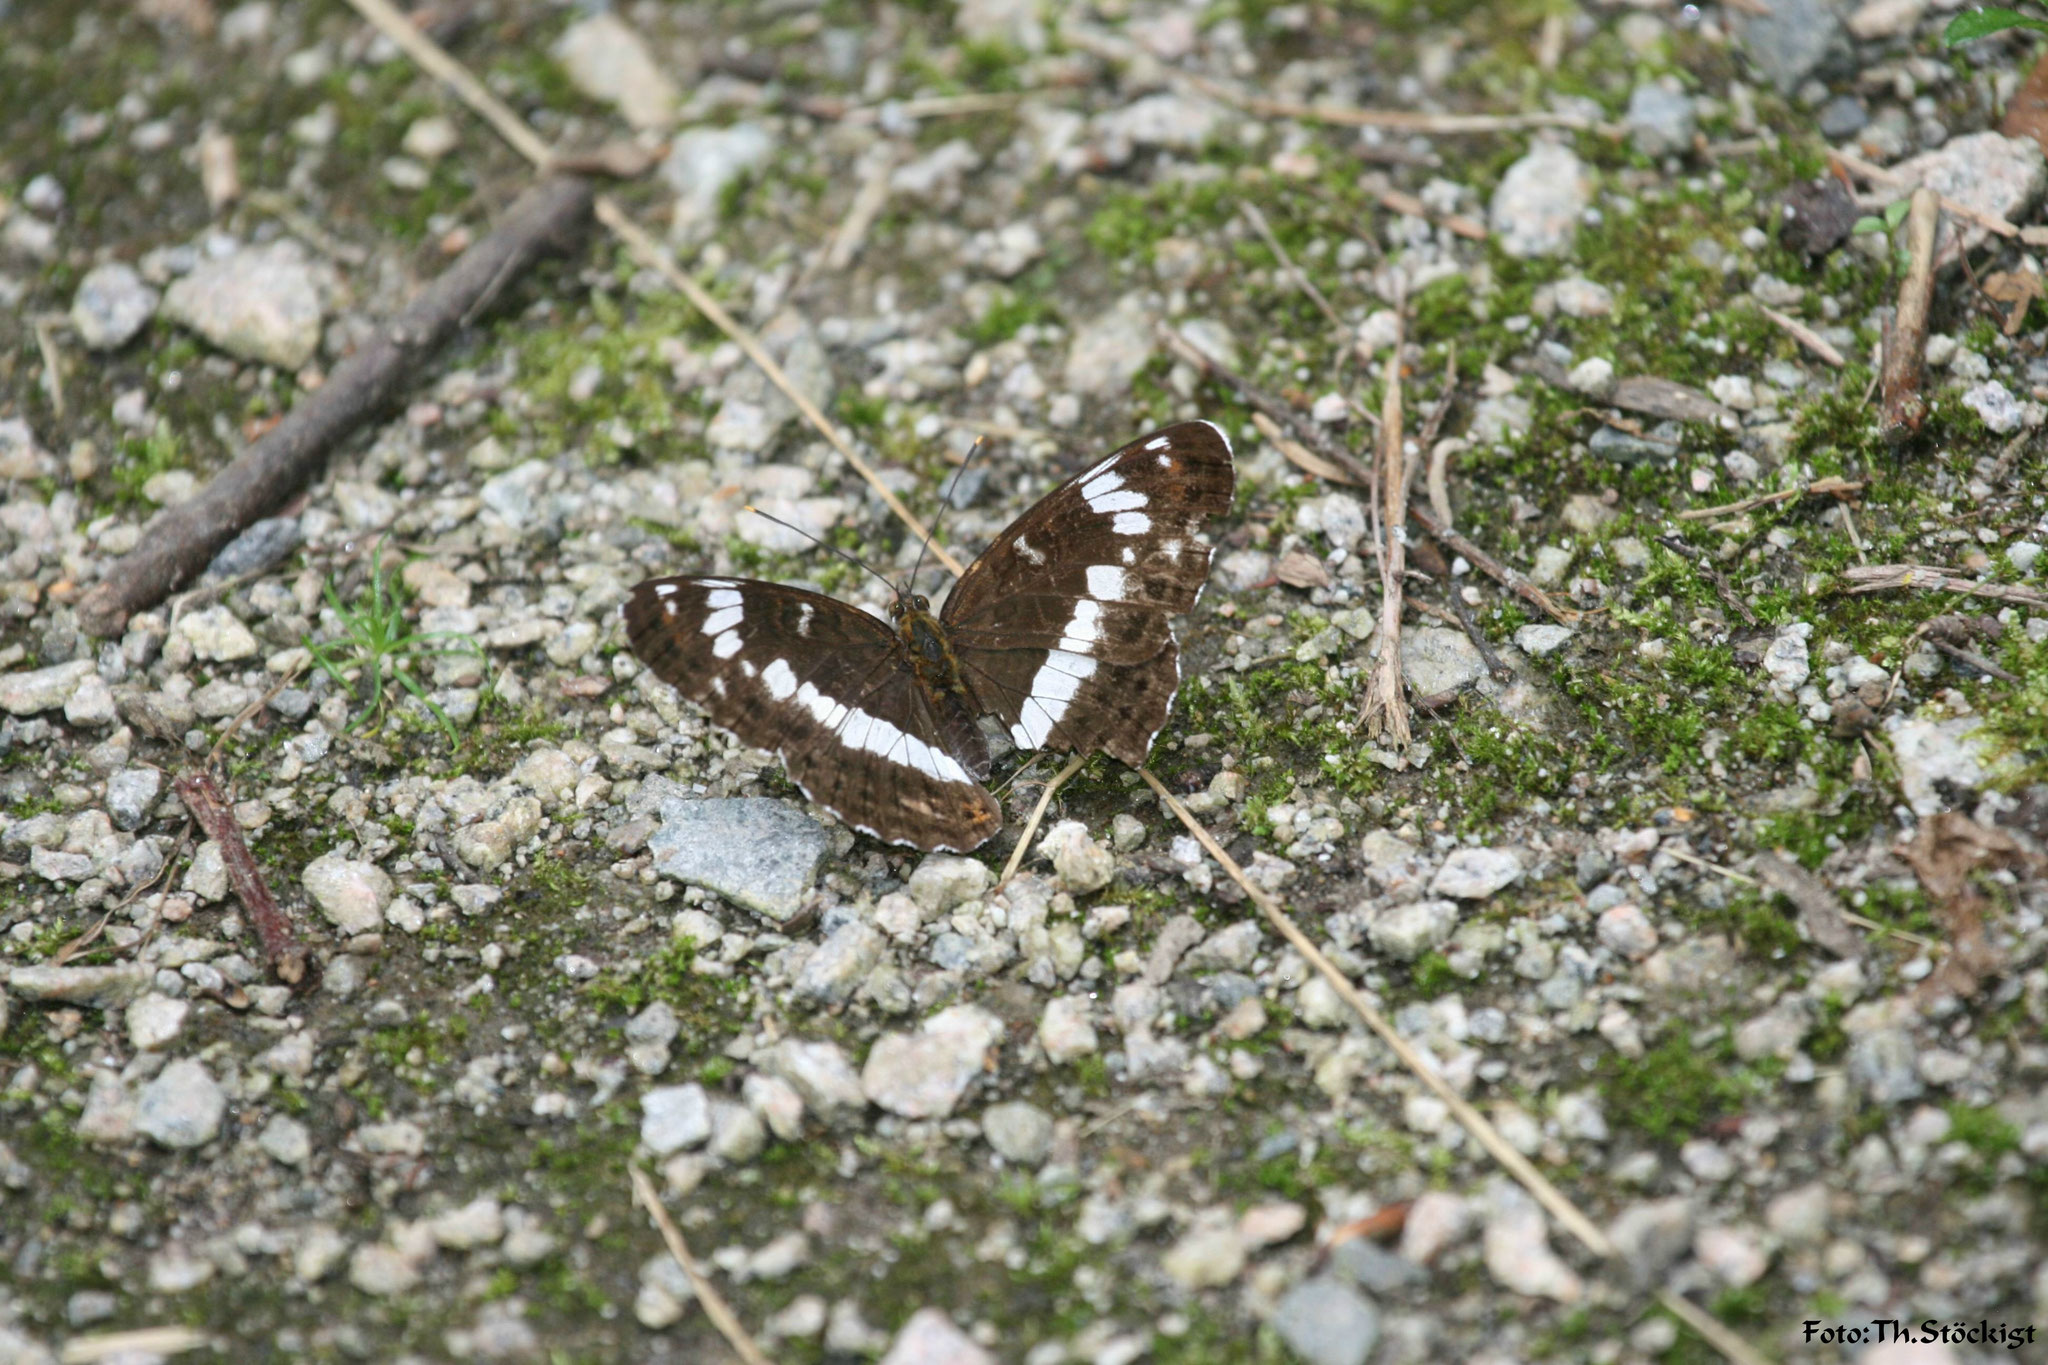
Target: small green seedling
(377, 647)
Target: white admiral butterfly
(1060, 629)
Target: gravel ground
(1723, 899)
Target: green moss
(1669, 1092)
(1433, 976)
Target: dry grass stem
(1031, 824)
(715, 1307)
(1905, 344)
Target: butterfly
(1060, 629)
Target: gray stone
(1940, 761)
(757, 853)
(217, 635)
(155, 1021)
(674, 1117)
(1793, 40)
(924, 1074)
(352, 894)
(1018, 1132)
(944, 880)
(1651, 1236)
(701, 162)
(1994, 404)
(382, 1271)
(91, 705)
(819, 1072)
(1109, 349)
(1842, 117)
(1536, 207)
(1082, 864)
(737, 1136)
(112, 304)
(1616, 446)
(1473, 874)
(609, 61)
(839, 964)
(1987, 171)
(1408, 931)
(479, 1223)
(930, 1338)
(262, 304)
(1660, 119)
(20, 456)
(1881, 1063)
(261, 547)
(1065, 1031)
(1541, 638)
(182, 1107)
(1326, 1322)
(286, 1141)
(1436, 659)
(1205, 1257)
(104, 987)
(42, 689)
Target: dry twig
(1301, 279)
(715, 1307)
(1954, 208)
(183, 539)
(1018, 853)
(1930, 578)
(1402, 202)
(132, 1344)
(1828, 487)
(203, 796)
(1397, 120)
(1386, 702)
(1905, 346)
(1494, 569)
(1804, 335)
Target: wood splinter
(201, 792)
(1905, 347)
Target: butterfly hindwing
(823, 684)
(1062, 626)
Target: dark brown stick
(1713, 575)
(1493, 568)
(1905, 349)
(1470, 624)
(1310, 434)
(202, 795)
(183, 539)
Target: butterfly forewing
(1062, 626)
(826, 686)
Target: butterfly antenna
(952, 486)
(854, 560)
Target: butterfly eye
(921, 602)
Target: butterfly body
(1060, 629)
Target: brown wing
(1063, 625)
(826, 687)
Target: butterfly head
(909, 603)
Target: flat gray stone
(760, 854)
(1018, 1131)
(42, 689)
(1326, 1322)
(262, 304)
(112, 304)
(182, 1107)
(1436, 659)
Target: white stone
(609, 61)
(351, 893)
